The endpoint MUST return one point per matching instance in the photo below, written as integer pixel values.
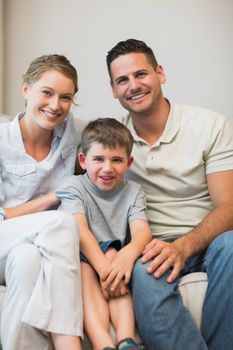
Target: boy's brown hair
(107, 132)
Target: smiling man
(183, 158)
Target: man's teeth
(137, 97)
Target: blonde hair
(46, 63)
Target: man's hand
(165, 256)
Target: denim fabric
(164, 323)
(114, 243)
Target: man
(183, 158)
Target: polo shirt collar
(171, 129)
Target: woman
(39, 248)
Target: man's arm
(220, 219)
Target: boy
(104, 204)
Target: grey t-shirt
(108, 212)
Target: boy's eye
(118, 160)
(98, 159)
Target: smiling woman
(39, 247)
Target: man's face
(136, 83)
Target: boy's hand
(120, 270)
(121, 290)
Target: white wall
(192, 39)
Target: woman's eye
(46, 92)
(67, 98)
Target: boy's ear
(130, 161)
(82, 158)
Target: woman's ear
(24, 90)
(82, 158)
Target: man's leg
(162, 320)
(217, 320)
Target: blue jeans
(164, 323)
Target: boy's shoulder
(133, 185)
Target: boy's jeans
(164, 323)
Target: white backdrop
(192, 39)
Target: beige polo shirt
(172, 172)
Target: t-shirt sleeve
(138, 208)
(71, 197)
(219, 152)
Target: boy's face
(105, 167)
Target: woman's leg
(56, 296)
(96, 309)
(22, 269)
(65, 342)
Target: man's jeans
(164, 323)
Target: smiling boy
(104, 205)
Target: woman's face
(49, 99)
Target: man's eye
(121, 81)
(118, 160)
(98, 159)
(141, 74)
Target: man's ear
(82, 158)
(113, 90)
(161, 74)
(130, 161)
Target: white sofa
(192, 287)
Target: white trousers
(39, 262)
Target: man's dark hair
(130, 46)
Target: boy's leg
(96, 309)
(122, 317)
(121, 310)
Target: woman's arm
(45, 202)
